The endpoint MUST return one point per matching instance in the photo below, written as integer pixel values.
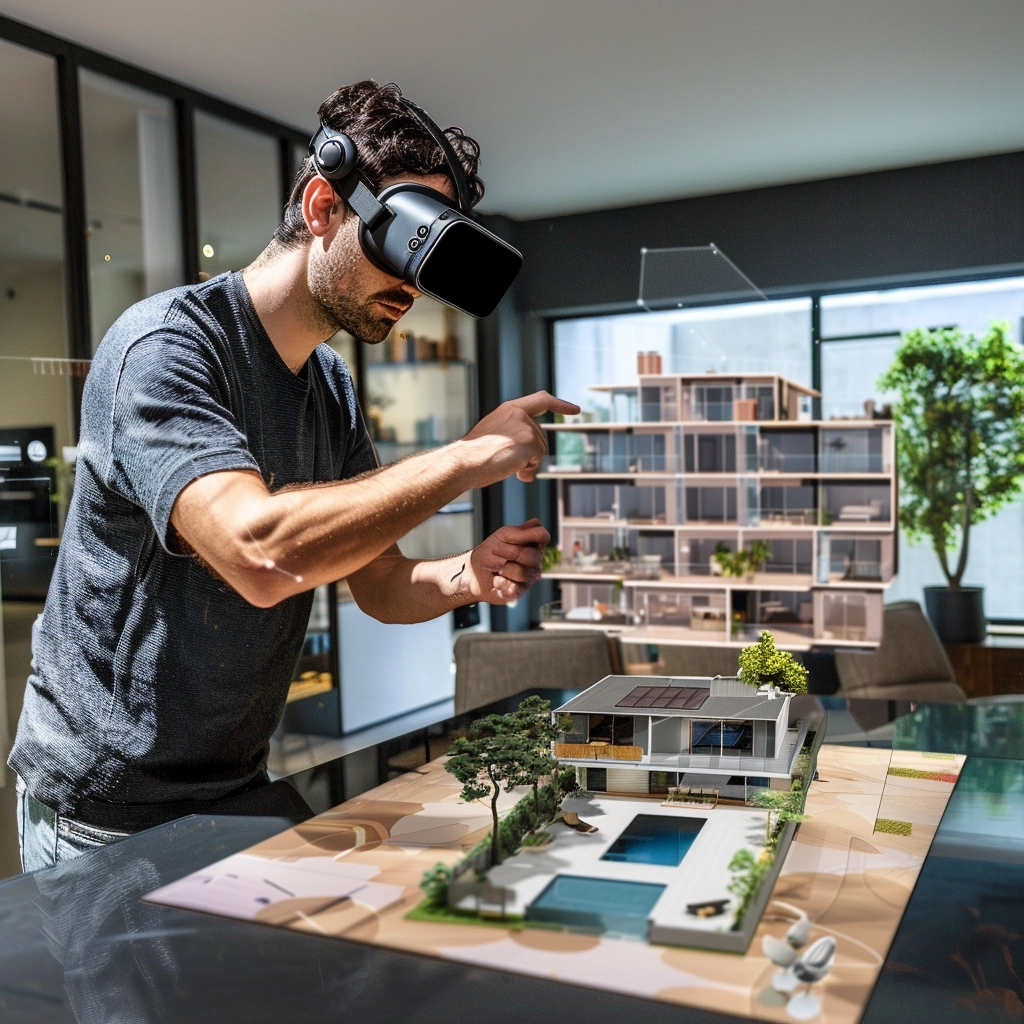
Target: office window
(239, 193)
(131, 197)
(773, 337)
(867, 326)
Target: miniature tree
(785, 805)
(487, 759)
(531, 722)
(435, 884)
(762, 664)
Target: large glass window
(131, 197)
(238, 181)
(771, 337)
(866, 329)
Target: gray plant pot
(958, 616)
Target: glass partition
(239, 193)
(131, 197)
(36, 397)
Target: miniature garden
(513, 752)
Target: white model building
(688, 465)
(644, 735)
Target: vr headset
(417, 233)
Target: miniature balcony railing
(852, 462)
(858, 570)
(788, 516)
(590, 462)
(584, 615)
(780, 462)
(598, 751)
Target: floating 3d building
(709, 507)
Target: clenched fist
(507, 563)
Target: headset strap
(355, 189)
(454, 164)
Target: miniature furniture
(491, 666)
(909, 664)
(706, 508)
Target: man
(223, 472)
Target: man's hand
(515, 442)
(507, 563)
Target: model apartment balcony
(739, 448)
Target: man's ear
(321, 207)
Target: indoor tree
(959, 416)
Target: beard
(334, 283)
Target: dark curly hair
(389, 140)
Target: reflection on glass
(36, 422)
(980, 730)
(238, 181)
(131, 197)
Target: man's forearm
(394, 588)
(269, 546)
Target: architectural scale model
(703, 739)
(708, 507)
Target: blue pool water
(655, 839)
(620, 908)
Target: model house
(686, 472)
(636, 735)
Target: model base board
(355, 872)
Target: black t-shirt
(155, 684)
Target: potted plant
(959, 417)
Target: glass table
(79, 944)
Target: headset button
(414, 244)
(444, 216)
(423, 231)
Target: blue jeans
(46, 838)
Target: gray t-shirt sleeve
(170, 424)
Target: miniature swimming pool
(655, 839)
(601, 904)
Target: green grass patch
(893, 827)
(452, 915)
(918, 773)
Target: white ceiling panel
(581, 105)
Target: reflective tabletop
(78, 944)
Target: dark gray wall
(916, 223)
(938, 222)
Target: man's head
(392, 146)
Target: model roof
(604, 697)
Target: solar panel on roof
(679, 698)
